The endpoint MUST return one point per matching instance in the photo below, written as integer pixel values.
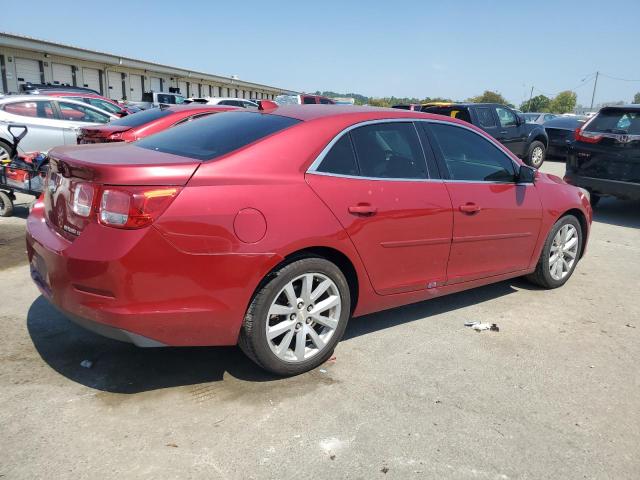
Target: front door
(496, 221)
(509, 132)
(376, 182)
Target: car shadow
(623, 213)
(119, 367)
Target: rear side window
(485, 117)
(308, 100)
(389, 150)
(340, 159)
(216, 135)
(40, 109)
(141, 118)
(326, 101)
(470, 157)
(616, 121)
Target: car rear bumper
(135, 286)
(616, 188)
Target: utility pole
(530, 97)
(595, 84)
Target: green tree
(379, 102)
(564, 102)
(636, 98)
(539, 103)
(488, 97)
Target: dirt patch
(13, 251)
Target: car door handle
(469, 208)
(504, 132)
(363, 209)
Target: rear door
(495, 220)
(375, 180)
(509, 132)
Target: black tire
(253, 338)
(536, 144)
(542, 276)
(5, 146)
(6, 205)
(595, 199)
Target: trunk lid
(101, 134)
(106, 164)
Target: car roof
(630, 106)
(33, 98)
(191, 107)
(318, 111)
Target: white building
(24, 59)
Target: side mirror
(526, 174)
(123, 113)
(521, 120)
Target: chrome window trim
(316, 163)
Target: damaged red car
(146, 122)
(271, 229)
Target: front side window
(389, 150)
(470, 157)
(216, 135)
(340, 159)
(81, 113)
(39, 109)
(507, 117)
(326, 101)
(308, 100)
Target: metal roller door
(183, 87)
(28, 70)
(62, 74)
(156, 84)
(135, 88)
(91, 79)
(114, 80)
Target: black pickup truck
(527, 140)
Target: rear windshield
(216, 135)
(568, 123)
(140, 118)
(616, 120)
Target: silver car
(51, 121)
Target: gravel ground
(411, 393)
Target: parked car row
(184, 237)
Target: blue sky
(417, 48)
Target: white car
(233, 102)
(51, 121)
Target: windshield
(216, 135)
(616, 120)
(140, 118)
(531, 117)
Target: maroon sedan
(147, 122)
(270, 229)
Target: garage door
(62, 74)
(91, 79)
(183, 87)
(27, 70)
(114, 80)
(135, 88)
(155, 84)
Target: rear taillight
(83, 194)
(134, 207)
(586, 137)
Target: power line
(620, 79)
(582, 83)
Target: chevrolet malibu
(270, 229)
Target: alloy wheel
(4, 154)
(564, 251)
(303, 317)
(537, 155)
